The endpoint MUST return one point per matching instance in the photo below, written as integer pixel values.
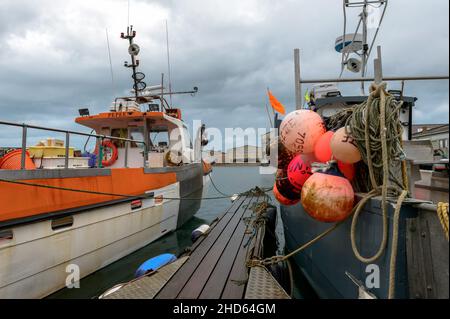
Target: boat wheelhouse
(143, 180)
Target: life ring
(114, 153)
(174, 161)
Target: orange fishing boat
(144, 179)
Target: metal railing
(67, 133)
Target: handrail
(371, 79)
(99, 138)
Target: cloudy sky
(54, 57)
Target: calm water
(229, 180)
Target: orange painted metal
(20, 201)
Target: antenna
(133, 50)
(168, 63)
(128, 11)
(110, 63)
(358, 43)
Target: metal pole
(378, 67)
(126, 154)
(66, 157)
(298, 85)
(24, 146)
(364, 55)
(371, 79)
(100, 152)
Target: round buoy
(344, 148)
(285, 187)
(328, 197)
(299, 170)
(348, 170)
(300, 131)
(154, 263)
(283, 200)
(322, 149)
(199, 231)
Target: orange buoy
(328, 197)
(13, 160)
(285, 187)
(322, 149)
(300, 131)
(299, 170)
(283, 200)
(344, 148)
(348, 170)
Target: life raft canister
(114, 153)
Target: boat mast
(365, 51)
(133, 50)
(364, 45)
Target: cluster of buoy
(327, 194)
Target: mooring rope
(442, 212)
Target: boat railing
(67, 133)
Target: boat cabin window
(119, 132)
(159, 138)
(137, 134)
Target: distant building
(438, 134)
(243, 154)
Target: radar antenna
(138, 77)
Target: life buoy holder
(114, 153)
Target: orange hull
(19, 201)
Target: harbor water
(228, 179)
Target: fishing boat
(400, 254)
(69, 214)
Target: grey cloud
(231, 50)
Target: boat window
(6, 234)
(63, 222)
(119, 132)
(137, 134)
(159, 137)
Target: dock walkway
(216, 267)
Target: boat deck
(216, 267)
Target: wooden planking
(174, 286)
(217, 280)
(200, 276)
(213, 224)
(238, 276)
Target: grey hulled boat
(330, 266)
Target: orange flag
(277, 106)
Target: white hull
(33, 264)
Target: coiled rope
(442, 212)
